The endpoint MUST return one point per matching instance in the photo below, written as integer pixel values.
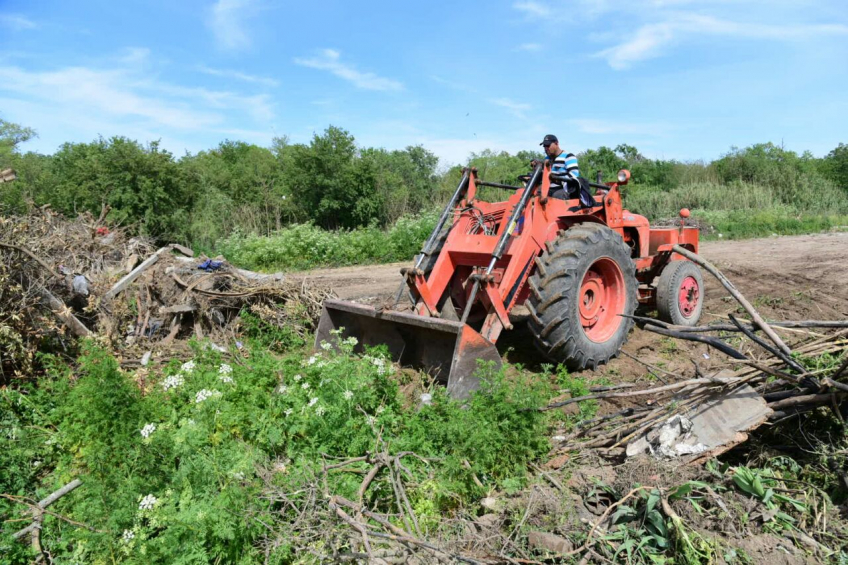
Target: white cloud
(530, 47)
(77, 103)
(227, 20)
(135, 56)
(238, 75)
(517, 109)
(330, 60)
(17, 22)
(652, 39)
(532, 8)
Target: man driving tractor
(563, 165)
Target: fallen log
(758, 320)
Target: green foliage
(237, 192)
(835, 166)
(303, 246)
(172, 475)
(12, 135)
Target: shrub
(172, 475)
(304, 246)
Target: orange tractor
(581, 269)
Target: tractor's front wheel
(584, 281)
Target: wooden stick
(652, 367)
(45, 503)
(61, 311)
(806, 399)
(712, 341)
(758, 320)
(134, 274)
(666, 388)
(762, 343)
(791, 324)
(32, 255)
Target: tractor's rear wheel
(680, 294)
(584, 281)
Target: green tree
(835, 166)
(11, 136)
(332, 185)
(143, 186)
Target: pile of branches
(772, 370)
(374, 522)
(48, 268)
(169, 299)
(63, 279)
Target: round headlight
(623, 175)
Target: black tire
(669, 307)
(555, 296)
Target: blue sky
(676, 78)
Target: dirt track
(786, 278)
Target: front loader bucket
(446, 349)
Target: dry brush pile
(65, 279)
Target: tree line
(336, 184)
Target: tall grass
(808, 195)
(738, 209)
(304, 246)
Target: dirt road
(786, 278)
(807, 263)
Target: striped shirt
(565, 164)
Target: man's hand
(535, 163)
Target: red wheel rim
(688, 297)
(602, 298)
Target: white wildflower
(297, 378)
(148, 502)
(147, 430)
(321, 364)
(312, 360)
(288, 412)
(173, 382)
(188, 367)
(326, 346)
(238, 475)
(348, 394)
(312, 401)
(371, 420)
(282, 389)
(351, 341)
(320, 410)
(305, 386)
(226, 379)
(128, 536)
(225, 369)
(205, 394)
